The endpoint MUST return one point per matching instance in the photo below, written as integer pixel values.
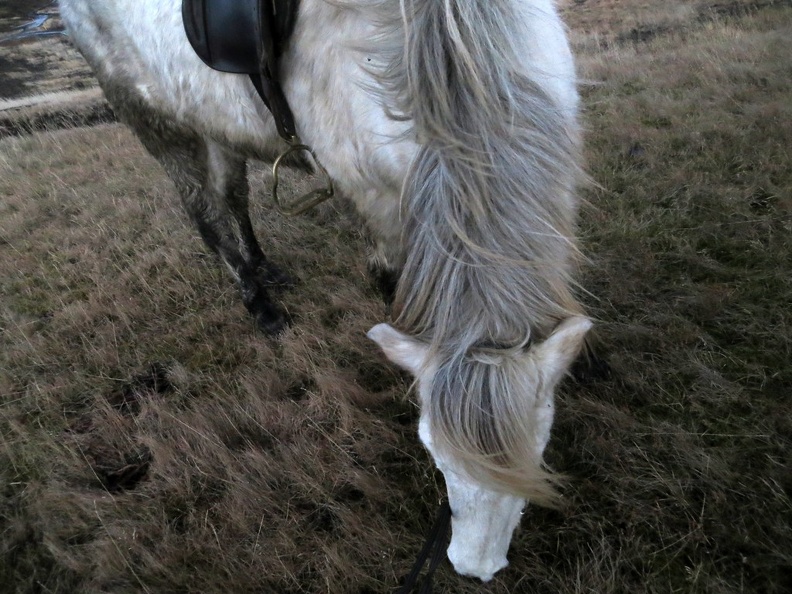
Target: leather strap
(272, 95)
(436, 545)
(275, 24)
(246, 36)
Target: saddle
(246, 37)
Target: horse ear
(557, 353)
(406, 352)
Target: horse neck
(489, 202)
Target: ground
(152, 441)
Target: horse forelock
(484, 412)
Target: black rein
(436, 545)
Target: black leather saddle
(246, 37)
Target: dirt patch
(153, 381)
(642, 34)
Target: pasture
(151, 440)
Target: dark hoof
(272, 322)
(385, 281)
(269, 317)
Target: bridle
(436, 546)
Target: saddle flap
(224, 33)
(246, 37)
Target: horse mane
(489, 212)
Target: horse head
(488, 487)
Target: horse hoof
(385, 281)
(269, 317)
(272, 323)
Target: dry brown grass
(46, 65)
(152, 441)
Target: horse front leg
(384, 273)
(212, 183)
(219, 210)
(386, 258)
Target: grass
(152, 441)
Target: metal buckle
(307, 201)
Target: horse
(452, 125)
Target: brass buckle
(307, 201)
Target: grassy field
(152, 441)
